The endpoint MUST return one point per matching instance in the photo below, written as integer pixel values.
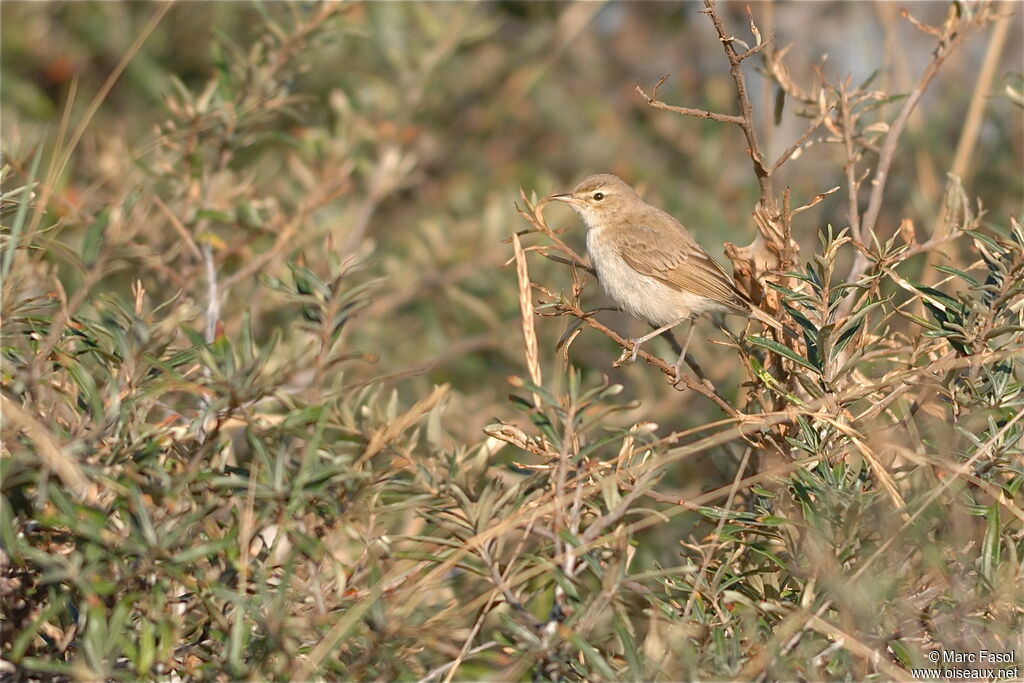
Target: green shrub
(257, 345)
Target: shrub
(255, 366)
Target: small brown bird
(649, 264)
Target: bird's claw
(636, 350)
(629, 354)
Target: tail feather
(768, 320)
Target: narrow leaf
(94, 236)
(783, 351)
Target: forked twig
(950, 35)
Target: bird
(650, 265)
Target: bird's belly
(641, 296)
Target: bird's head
(598, 198)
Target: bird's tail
(768, 320)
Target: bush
(257, 343)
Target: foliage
(257, 344)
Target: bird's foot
(678, 367)
(629, 354)
(636, 349)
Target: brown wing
(660, 248)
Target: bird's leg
(671, 339)
(682, 353)
(651, 335)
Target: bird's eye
(598, 196)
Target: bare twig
(733, 490)
(848, 126)
(468, 653)
(761, 170)
(952, 34)
(534, 216)
(799, 142)
(982, 86)
(685, 111)
(691, 383)
(773, 250)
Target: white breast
(641, 296)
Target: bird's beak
(567, 198)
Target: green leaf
(959, 273)
(247, 215)
(307, 282)
(86, 384)
(869, 79)
(197, 339)
(801, 319)
(216, 216)
(566, 583)
(937, 299)
(848, 330)
(197, 552)
(882, 102)
(783, 351)
(593, 656)
(629, 649)
(147, 647)
(18, 225)
(93, 240)
(791, 294)
(770, 381)
(26, 632)
(990, 546)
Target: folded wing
(678, 261)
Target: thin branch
(534, 217)
(754, 50)
(702, 388)
(746, 111)
(799, 142)
(850, 166)
(468, 653)
(179, 227)
(983, 85)
(685, 111)
(951, 37)
(733, 490)
(558, 259)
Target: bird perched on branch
(649, 263)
